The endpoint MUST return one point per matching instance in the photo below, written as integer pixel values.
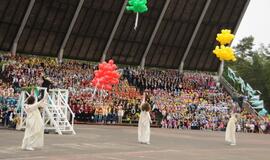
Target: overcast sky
(256, 22)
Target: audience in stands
(178, 101)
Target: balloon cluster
(225, 53)
(106, 76)
(139, 6)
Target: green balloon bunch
(31, 90)
(138, 6)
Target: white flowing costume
(144, 127)
(230, 130)
(34, 131)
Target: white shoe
(233, 144)
(30, 149)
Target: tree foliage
(245, 47)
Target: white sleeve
(31, 108)
(143, 101)
(42, 102)
(149, 117)
(10, 117)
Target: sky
(256, 22)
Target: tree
(265, 51)
(245, 47)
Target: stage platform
(120, 143)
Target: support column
(221, 67)
(181, 66)
(103, 58)
(24, 21)
(154, 33)
(63, 45)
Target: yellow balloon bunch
(224, 53)
(225, 37)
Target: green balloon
(132, 2)
(139, 6)
(130, 8)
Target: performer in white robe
(34, 131)
(230, 130)
(144, 124)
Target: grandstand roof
(49, 20)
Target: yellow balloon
(224, 53)
(225, 37)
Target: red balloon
(111, 61)
(110, 81)
(99, 87)
(109, 68)
(102, 73)
(111, 73)
(101, 66)
(104, 82)
(115, 81)
(114, 67)
(101, 81)
(118, 75)
(107, 76)
(94, 82)
(97, 75)
(115, 74)
(108, 87)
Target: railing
(254, 111)
(22, 101)
(56, 123)
(70, 110)
(233, 92)
(60, 96)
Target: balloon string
(136, 21)
(95, 90)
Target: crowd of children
(182, 101)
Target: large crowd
(179, 101)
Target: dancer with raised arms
(34, 131)
(144, 123)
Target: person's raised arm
(149, 117)
(42, 102)
(143, 99)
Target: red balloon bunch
(106, 76)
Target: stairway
(233, 92)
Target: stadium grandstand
(58, 46)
